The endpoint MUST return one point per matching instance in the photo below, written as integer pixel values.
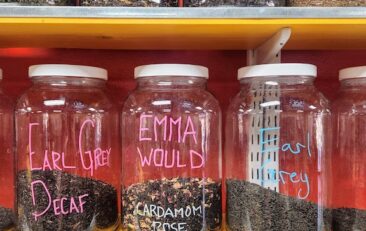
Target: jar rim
(171, 70)
(278, 70)
(66, 70)
(352, 73)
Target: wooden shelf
(167, 29)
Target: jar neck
(66, 81)
(171, 82)
(354, 84)
(282, 81)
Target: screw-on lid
(352, 73)
(278, 70)
(67, 71)
(171, 70)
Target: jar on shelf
(277, 140)
(349, 158)
(333, 3)
(7, 161)
(239, 3)
(9, 3)
(47, 2)
(130, 3)
(67, 150)
(171, 162)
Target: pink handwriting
(35, 214)
(91, 160)
(58, 204)
(173, 128)
(162, 158)
(55, 162)
(142, 129)
(31, 153)
(96, 158)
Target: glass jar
(276, 150)
(239, 3)
(349, 158)
(47, 2)
(326, 3)
(7, 161)
(68, 155)
(9, 3)
(130, 3)
(171, 143)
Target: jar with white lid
(349, 157)
(238, 3)
(67, 157)
(171, 143)
(130, 3)
(326, 3)
(6, 161)
(276, 150)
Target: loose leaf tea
(245, 3)
(47, 2)
(55, 200)
(252, 207)
(6, 218)
(349, 219)
(180, 203)
(329, 3)
(131, 3)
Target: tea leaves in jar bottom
(195, 203)
(240, 3)
(6, 218)
(327, 3)
(100, 208)
(131, 3)
(252, 207)
(349, 219)
(47, 2)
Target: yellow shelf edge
(211, 34)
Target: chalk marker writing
(61, 206)
(284, 176)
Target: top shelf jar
(190, 3)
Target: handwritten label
(294, 177)
(91, 161)
(177, 130)
(58, 204)
(157, 212)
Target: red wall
(120, 64)
(223, 66)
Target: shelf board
(180, 28)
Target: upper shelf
(180, 28)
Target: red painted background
(223, 66)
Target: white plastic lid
(171, 70)
(278, 70)
(352, 73)
(67, 70)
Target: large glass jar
(171, 143)
(327, 3)
(349, 158)
(6, 161)
(68, 155)
(238, 3)
(47, 3)
(130, 3)
(276, 150)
